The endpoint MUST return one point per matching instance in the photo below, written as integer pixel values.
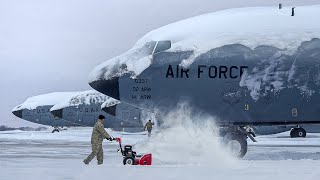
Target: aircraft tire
(301, 133)
(293, 133)
(298, 133)
(240, 139)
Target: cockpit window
(148, 48)
(162, 46)
(154, 47)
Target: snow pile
(85, 97)
(43, 100)
(6, 128)
(251, 27)
(187, 140)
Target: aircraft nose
(57, 113)
(108, 87)
(18, 113)
(110, 110)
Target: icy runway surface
(43, 155)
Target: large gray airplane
(85, 107)
(37, 110)
(248, 66)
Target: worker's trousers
(96, 151)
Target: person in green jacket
(148, 127)
(98, 134)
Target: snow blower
(130, 157)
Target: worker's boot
(85, 162)
(100, 163)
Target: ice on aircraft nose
(134, 62)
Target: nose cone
(110, 110)
(108, 87)
(57, 113)
(18, 113)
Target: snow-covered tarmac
(43, 155)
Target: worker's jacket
(99, 133)
(148, 126)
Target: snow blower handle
(120, 144)
(112, 138)
(118, 140)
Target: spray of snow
(187, 139)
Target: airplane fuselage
(42, 115)
(234, 83)
(87, 115)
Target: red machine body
(145, 159)
(131, 158)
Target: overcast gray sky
(48, 46)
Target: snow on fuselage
(85, 107)
(37, 109)
(247, 66)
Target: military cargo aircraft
(85, 107)
(37, 110)
(245, 67)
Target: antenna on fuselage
(292, 11)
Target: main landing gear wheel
(128, 161)
(237, 144)
(298, 132)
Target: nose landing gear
(56, 129)
(235, 139)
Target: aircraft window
(162, 46)
(147, 48)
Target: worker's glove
(110, 139)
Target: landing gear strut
(235, 138)
(298, 132)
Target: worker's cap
(101, 117)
